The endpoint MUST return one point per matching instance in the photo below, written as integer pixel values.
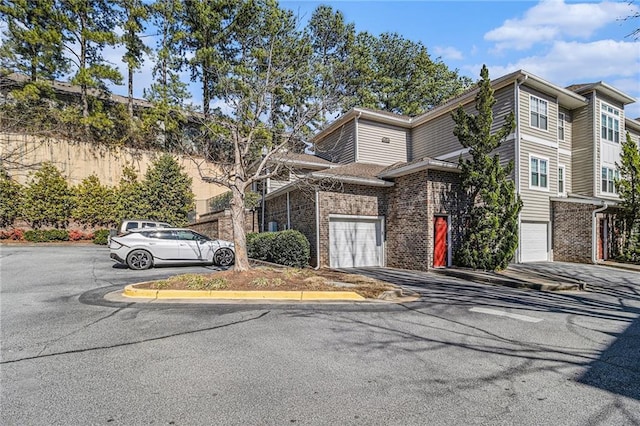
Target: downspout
(355, 142)
(516, 143)
(288, 212)
(317, 231)
(594, 227)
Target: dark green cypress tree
(628, 187)
(491, 234)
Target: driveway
(465, 353)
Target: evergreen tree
(628, 186)
(168, 191)
(47, 198)
(130, 199)
(135, 14)
(89, 27)
(167, 92)
(94, 203)
(491, 234)
(10, 199)
(32, 43)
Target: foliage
(130, 197)
(167, 190)
(223, 201)
(628, 187)
(259, 245)
(289, 248)
(47, 198)
(101, 237)
(32, 42)
(10, 199)
(94, 203)
(491, 235)
(46, 235)
(16, 234)
(135, 14)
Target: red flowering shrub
(75, 235)
(13, 234)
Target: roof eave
(427, 164)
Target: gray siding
(565, 160)
(371, 148)
(435, 138)
(583, 151)
(536, 201)
(339, 145)
(551, 133)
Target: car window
(148, 225)
(187, 235)
(131, 225)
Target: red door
(440, 245)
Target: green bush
(46, 235)
(289, 248)
(101, 237)
(259, 245)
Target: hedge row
(51, 235)
(289, 248)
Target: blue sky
(564, 42)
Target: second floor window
(561, 180)
(561, 126)
(609, 177)
(539, 173)
(538, 113)
(610, 124)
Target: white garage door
(533, 247)
(355, 242)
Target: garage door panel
(355, 243)
(534, 242)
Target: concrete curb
(145, 293)
(499, 279)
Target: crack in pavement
(118, 345)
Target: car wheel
(223, 257)
(139, 259)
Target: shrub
(101, 237)
(46, 235)
(76, 235)
(290, 248)
(47, 198)
(259, 245)
(14, 234)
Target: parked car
(129, 224)
(143, 248)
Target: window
(561, 126)
(539, 174)
(561, 180)
(610, 124)
(538, 113)
(609, 177)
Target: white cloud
(448, 53)
(553, 19)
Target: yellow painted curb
(146, 293)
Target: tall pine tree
(491, 235)
(628, 187)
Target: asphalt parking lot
(464, 353)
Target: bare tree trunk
(239, 233)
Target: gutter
(317, 230)
(594, 241)
(516, 166)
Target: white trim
(531, 97)
(540, 188)
(452, 154)
(564, 151)
(353, 179)
(355, 217)
(564, 179)
(539, 141)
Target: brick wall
(572, 228)
(412, 206)
(218, 225)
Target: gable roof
(602, 87)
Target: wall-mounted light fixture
(385, 139)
